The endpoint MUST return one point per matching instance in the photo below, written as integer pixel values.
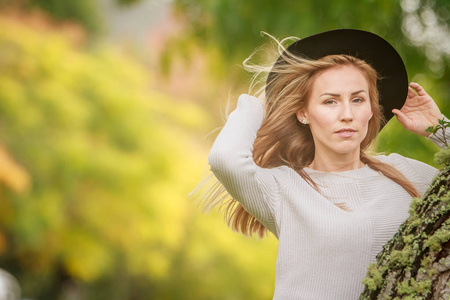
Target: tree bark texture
(415, 263)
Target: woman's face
(338, 111)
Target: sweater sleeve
(231, 161)
(418, 173)
(439, 137)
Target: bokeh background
(107, 111)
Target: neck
(336, 162)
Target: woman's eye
(329, 101)
(358, 100)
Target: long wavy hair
(283, 141)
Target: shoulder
(401, 162)
(393, 159)
(417, 172)
(287, 178)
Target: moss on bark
(415, 263)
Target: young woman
(294, 161)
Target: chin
(347, 149)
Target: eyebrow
(337, 95)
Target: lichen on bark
(415, 263)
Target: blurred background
(107, 111)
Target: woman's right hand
(419, 111)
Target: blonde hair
(283, 141)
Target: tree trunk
(415, 263)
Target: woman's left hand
(419, 111)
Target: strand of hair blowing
(283, 141)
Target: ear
(301, 116)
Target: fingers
(401, 118)
(396, 111)
(419, 89)
(411, 93)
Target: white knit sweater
(323, 251)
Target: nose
(346, 113)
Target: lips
(346, 132)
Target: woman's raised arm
(231, 161)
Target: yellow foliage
(11, 174)
(84, 257)
(112, 162)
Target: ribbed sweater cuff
(438, 138)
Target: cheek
(320, 124)
(366, 116)
(324, 117)
(364, 121)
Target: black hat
(367, 46)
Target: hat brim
(367, 46)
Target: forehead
(340, 79)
